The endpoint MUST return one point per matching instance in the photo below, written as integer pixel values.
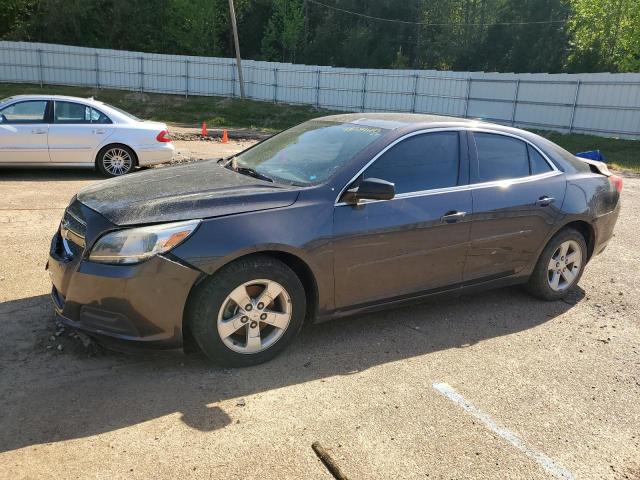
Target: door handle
(452, 216)
(545, 201)
(39, 131)
(99, 131)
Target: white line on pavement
(545, 462)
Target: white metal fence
(596, 103)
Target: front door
(415, 242)
(516, 201)
(77, 131)
(23, 132)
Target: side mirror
(370, 189)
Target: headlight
(134, 245)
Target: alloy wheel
(564, 265)
(254, 316)
(117, 161)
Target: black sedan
(337, 215)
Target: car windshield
(119, 110)
(308, 154)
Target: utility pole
(232, 14)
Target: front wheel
(248, 312)
(115, 160)
(560, 266)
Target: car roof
(395, 120)
(418, 121)
(52, 97)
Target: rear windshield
(127, 114)
(568, 157)
(309, 153)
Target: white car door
(23, 132)
(76, 132)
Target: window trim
(474, 164)
(462, 178)
(91, 107)
(469, 186)
(45, 118)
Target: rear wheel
(560, 266)
(115, 160)
(248, 312)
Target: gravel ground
(563, 378)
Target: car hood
(197, 190)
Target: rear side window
(77, 113)
(537, 161)
(421, 162)
(500, 157)
(99, 117)
(69, 112)
(32, 111)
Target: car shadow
(49, 174)
(131, 389)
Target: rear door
(23, 132)
(76, 132)
(415, 242)
(517, 195)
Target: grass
(234, 113)
(620, 154)
(216, 111)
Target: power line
(428, 24)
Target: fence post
(97, 70)
(466, 97)
(141, 74)
(415, 93)
(233, 79)
(318, 89)
(575, 104)
(515, 103)
(186, 79)
(275, 85)
(40, 73)
(364, 89)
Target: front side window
(309, 153)
(32, 111)
(500, 157)
(422, 162)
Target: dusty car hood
(197, 190)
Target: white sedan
(53, 130)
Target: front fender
(302, 230)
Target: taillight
(163, 136)
(616, 181)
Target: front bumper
(143, 303)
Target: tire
(115, 160)
(542, 283)
(222, 327)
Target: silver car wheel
(564, 265)
(254, 316)
(117, 161)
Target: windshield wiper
(231, 164)
(253, 173)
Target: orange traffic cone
(204, 129)
(225, 136)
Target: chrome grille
(72, 231)
(73, 220)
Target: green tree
(605, 35)
(284, 31)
